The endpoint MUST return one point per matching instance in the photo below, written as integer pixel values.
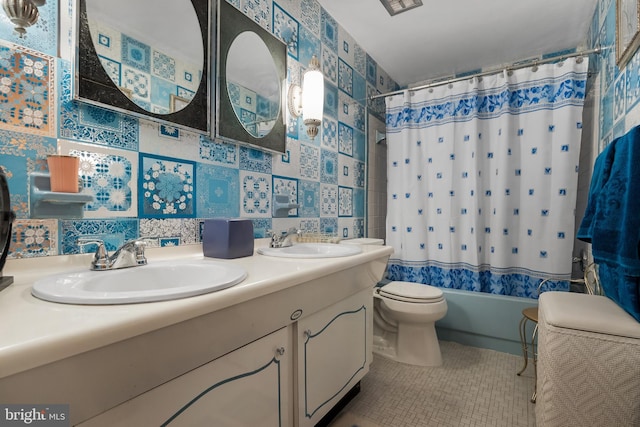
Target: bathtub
(484, 320)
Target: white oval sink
(312, 250)
(152, 282)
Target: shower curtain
(482, 180)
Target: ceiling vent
(398, 6)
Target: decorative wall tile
(619, 98)
(255, 160)
(86, 123)
(167, 187)
(110, 175)
(329, 226)
(260, 227)
(346, 109)
(288, 164)
(27, 91)
(21, 154)
(168, 232)
(632, 74)
(139, 83)
(255, 194)
(360, 60)
(345, 201)
(309, 161)
(359, 173)
(346, 46)
(219, 153)
(161, 91)
(310, 225)
(329, 64)
(359, 116)
(164, 66)
(168, 141)
(359, 89)
(371, 71)
(41, 37)
(112, 68)
(345, 77)
(345, 139)
(330, 100)
(328, 200)
(113, 232)
(309, 45)
(136, 54)
(329, 134)
(218, 191)
(283, 185)
(310, 15)
(328, 167)
(358, 202)
(329, 30)
(346, 170)
(359, 145)
(33, 238)
(308, 198)
(286, 28)
(259, 11)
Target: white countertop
(36, 332)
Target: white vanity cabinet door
(251, 386)
(333, 353)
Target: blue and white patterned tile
(293, 127)
(308, 198)
(329, 133)
(167, 187)
(110, 175)
(255, 160)
(164, 66)
(66, 25)
(288, 164)
(346, 170)
(606, 114)
(255, 194)
(329, 64)
(136, 54)
(310, 15)
(261, 226)
(309, 161)
(218, 153)
(329, 30)
(359, 145)
(371, 71)
(113, 232)
(27, 91)
(328, 167)
(619, 98)
(345, 139)
(345, 201)
(236, 3)
(170, 232)
(310, 225)
(360, 60)
(632, 73)
(330, 100)
(345, 77)
(112, 68)
(329, 226)
(346, 46)
(346, 109)
(258, 11)
(346, 228)
(21, 154)
(138, 82)
(185, 92)
(358, 202)
(328, 200)
(167, 142)
(286, 28)
(218, 191)
(309, 45)
(32, 238)
(293, 7)
(41, 37)
(359, 117)
(359, 89)
(86, 123)
(109, 40)
(161, 91)
(359, 174)
(289, 186)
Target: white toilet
(404, 322)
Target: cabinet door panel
(250, 386)
(334, 353)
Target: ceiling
(446, 37)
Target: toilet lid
(409, 291)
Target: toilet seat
(411, 292)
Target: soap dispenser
(282, 206)
(6, 219)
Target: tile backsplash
(159, 181)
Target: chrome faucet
(130, 254)
(283, 239)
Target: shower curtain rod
(493, 71)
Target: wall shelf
(44, 203)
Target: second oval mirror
(253, 84)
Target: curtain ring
(579, 60)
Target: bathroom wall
(160, 181)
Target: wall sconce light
(308, 101)
(22, 13)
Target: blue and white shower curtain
(482, 180)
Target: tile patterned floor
(474, 387)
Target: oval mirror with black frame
(148, 58)
(252, 66)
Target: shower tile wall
(131, 164)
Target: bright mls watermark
(34, 415)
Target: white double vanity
(281, 348)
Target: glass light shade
(312, 95)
